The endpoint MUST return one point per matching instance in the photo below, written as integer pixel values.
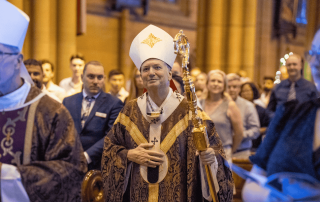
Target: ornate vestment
(40, 139)
(122, 179)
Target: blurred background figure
(293, 88)
(201, 85)
(223, 112)
(73, 85)
(34, 68)
(136, 85)
(178, 82)
(48, 71)
(116, 81)
(250, 92)
(284, 73)
(176, 68)
(263, 101)
(194, 73)
(243, 76)
(249, 116)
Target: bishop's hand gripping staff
(199, 132)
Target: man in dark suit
(93, 112)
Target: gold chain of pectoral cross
(149, 103)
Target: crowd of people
(141, 137)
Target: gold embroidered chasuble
(122, 179)
(52, 164)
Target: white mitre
(13, 29)
(13, 25)
(152, 42)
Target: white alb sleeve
(87, 157)
(12, 189)
(204, 183)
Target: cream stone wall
(223, 34)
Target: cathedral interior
(249, 35)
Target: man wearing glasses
(293, 88)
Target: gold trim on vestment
(132, 128)
(204, 116)
(173, 134)
(153, 192)
(165, 144)
(29, 133)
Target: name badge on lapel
(102, 115)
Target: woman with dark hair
(250, 92)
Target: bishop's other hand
(207, 157)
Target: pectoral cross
(154, 141)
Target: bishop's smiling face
(155, 74)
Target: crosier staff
(199, 132)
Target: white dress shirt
(70, 87)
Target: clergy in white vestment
(41, 158)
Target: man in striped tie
(93, 112)
(293, 88)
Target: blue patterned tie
(86, 113)
(292, 92)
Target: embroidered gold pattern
(131, 128)
(153, 192)
(165, 145)
(8, 131)
(151, 40)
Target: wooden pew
(238, 181)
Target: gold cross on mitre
(151, 40)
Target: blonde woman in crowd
(223, 112)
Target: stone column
(41, 29)
(124, 59)
(235, 36)
(17, 3)
(313, 20)
(66, 39)
(215, 35)
(53, 36)
(249, 37)
(201, 34)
